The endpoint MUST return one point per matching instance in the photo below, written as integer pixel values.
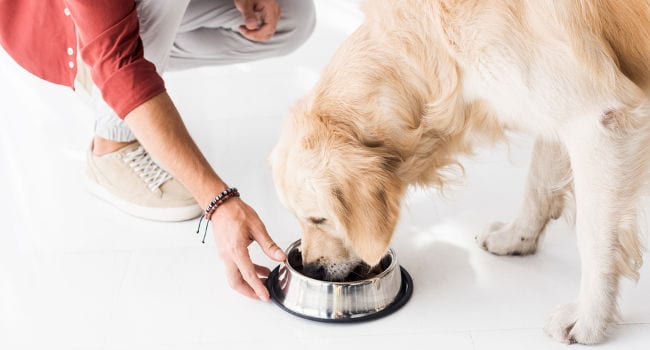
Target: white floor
(76, 273)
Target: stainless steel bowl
(352, 301)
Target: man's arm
(158, 126)
(160, 129)
(110, 44)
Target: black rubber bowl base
(402, 298)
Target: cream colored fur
(422, 82)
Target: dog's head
(342, 189)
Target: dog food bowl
(375, 296)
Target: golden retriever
(424, 81)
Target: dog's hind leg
(609, 161)
(549, 178)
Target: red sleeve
(38, 35)
(109, 42)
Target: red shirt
(40, 35)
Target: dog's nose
(314, 271)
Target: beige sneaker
(130, 180)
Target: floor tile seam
(491, 330)
(471, 338)
(240, 117)
(330, 336)
(114, 250)
(633, 324)
(115, 299)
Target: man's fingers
(248, 272)
(236, 281)
(247, 9)
(268, 246)
(252, 21)
(240, 225)
(264, 33)
(268, 17)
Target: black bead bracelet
(216, 202)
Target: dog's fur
(421, 82)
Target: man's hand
(260, 18)
(236, 226)
(158, 126)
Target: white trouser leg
(209, 34)
(179, 34)
(159, 22)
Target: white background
(75, 273)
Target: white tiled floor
(77, 274)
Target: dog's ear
(368, 207)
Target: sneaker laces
(151, 173)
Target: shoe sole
(150, 213)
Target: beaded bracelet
(216, 202)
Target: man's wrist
(210, 193)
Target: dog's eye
(317, 221)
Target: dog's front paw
(566, 325)
(506, 239)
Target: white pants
(180, 34)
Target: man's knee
(296, 23)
